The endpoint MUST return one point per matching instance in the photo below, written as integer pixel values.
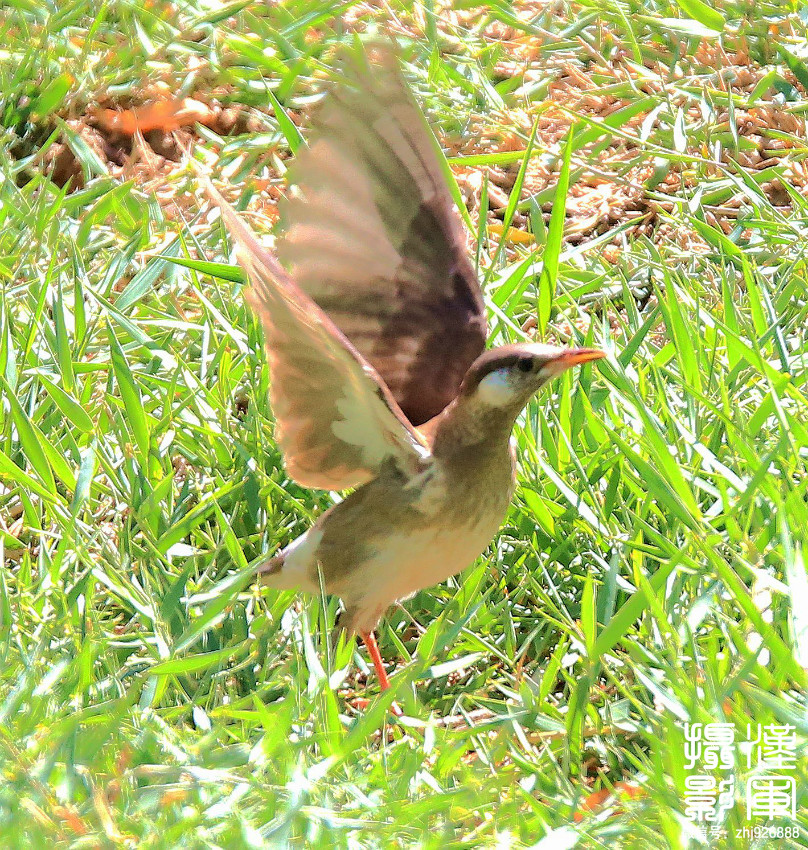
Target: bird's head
(498, 384)
(505, 378)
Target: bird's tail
(292, 567)
(270, 572)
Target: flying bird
(375, 332)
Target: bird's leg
(369, 640)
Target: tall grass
(651, 572)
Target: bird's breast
(466, 488)
(393, 537)
(454, 513)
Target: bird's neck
(466, 425)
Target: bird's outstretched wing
(373, 238)
(336, 422)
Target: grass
(651, 572)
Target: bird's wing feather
(336, 422)
(373, 238)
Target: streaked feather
(337, 423)
(373, 226)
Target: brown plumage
(377, 326)
(373, 238)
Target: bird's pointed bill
(570, 357)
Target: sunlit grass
(650, 573)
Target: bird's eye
(525, 364)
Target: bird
(375, 332)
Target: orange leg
(375, 656)
(369, 640)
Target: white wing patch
(358, 427)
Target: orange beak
(580, 355)
(572, 357)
